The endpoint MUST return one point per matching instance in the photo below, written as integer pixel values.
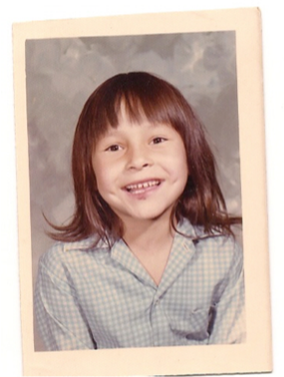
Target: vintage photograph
(61, 73)
(136, 184)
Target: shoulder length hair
(143, 95)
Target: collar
(184, 229)
(85, 244)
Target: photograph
(60, 74)
(136, 180)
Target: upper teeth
(142, 185)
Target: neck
(148, 235)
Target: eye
(113, 148)
(158, 140)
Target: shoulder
(213, 241)
(63, 254)
(220, 249)
(224, 253)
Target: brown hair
(143, 94)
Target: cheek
(106, 179)
(102, 180)
(179, 173)
(99, 174)
(180, 154)
(181, 164)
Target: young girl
(149, 258)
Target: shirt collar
(184, 227)
(85, 244)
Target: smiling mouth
(140, 187)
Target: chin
(153, 216)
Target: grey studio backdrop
(62, 73)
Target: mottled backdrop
(62, 73)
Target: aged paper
(237, 35)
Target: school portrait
(135, 192)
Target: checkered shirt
(89, 298)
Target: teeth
(143, 185)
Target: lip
(142, 186)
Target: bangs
(140, 96)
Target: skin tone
(141, 171)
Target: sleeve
(228, 312)
(60, 319)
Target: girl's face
(141, 169)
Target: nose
(138, 158)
